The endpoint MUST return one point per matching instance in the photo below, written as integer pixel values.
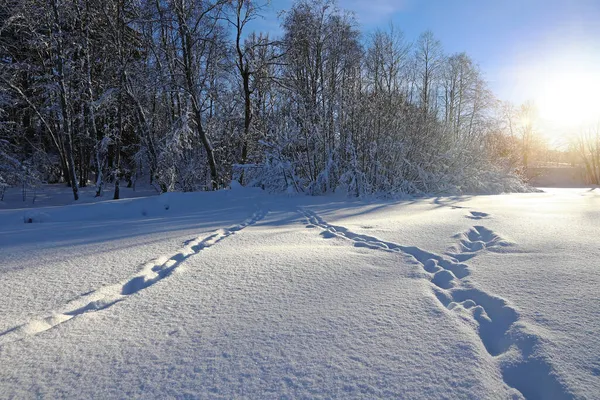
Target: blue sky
(520, 45)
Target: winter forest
(225, 199)
(186, 96)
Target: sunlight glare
(570, 99)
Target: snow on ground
(241, 294)
(60, 195)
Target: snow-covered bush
(13, 172)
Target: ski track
(496, 322)
(107, 296)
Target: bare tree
(527, 115)
(587, 146)
(428, 57)
(198, 39)
(250, 60)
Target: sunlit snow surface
(238, 294)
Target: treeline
(183, 94)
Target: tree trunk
(65, 113)
(186, 45)
(247, 119)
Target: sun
(569, 99)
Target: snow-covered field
(237, 294)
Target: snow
(238, 293)
(60, 195)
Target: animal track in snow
(477, 215)
(496, 320)
(477, 239)
(105, 297)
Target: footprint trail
(477, 239)
(495, 321)
(107, 296)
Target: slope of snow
(239, 294)
(530, 259)
(80, 248)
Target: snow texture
(238, 294)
